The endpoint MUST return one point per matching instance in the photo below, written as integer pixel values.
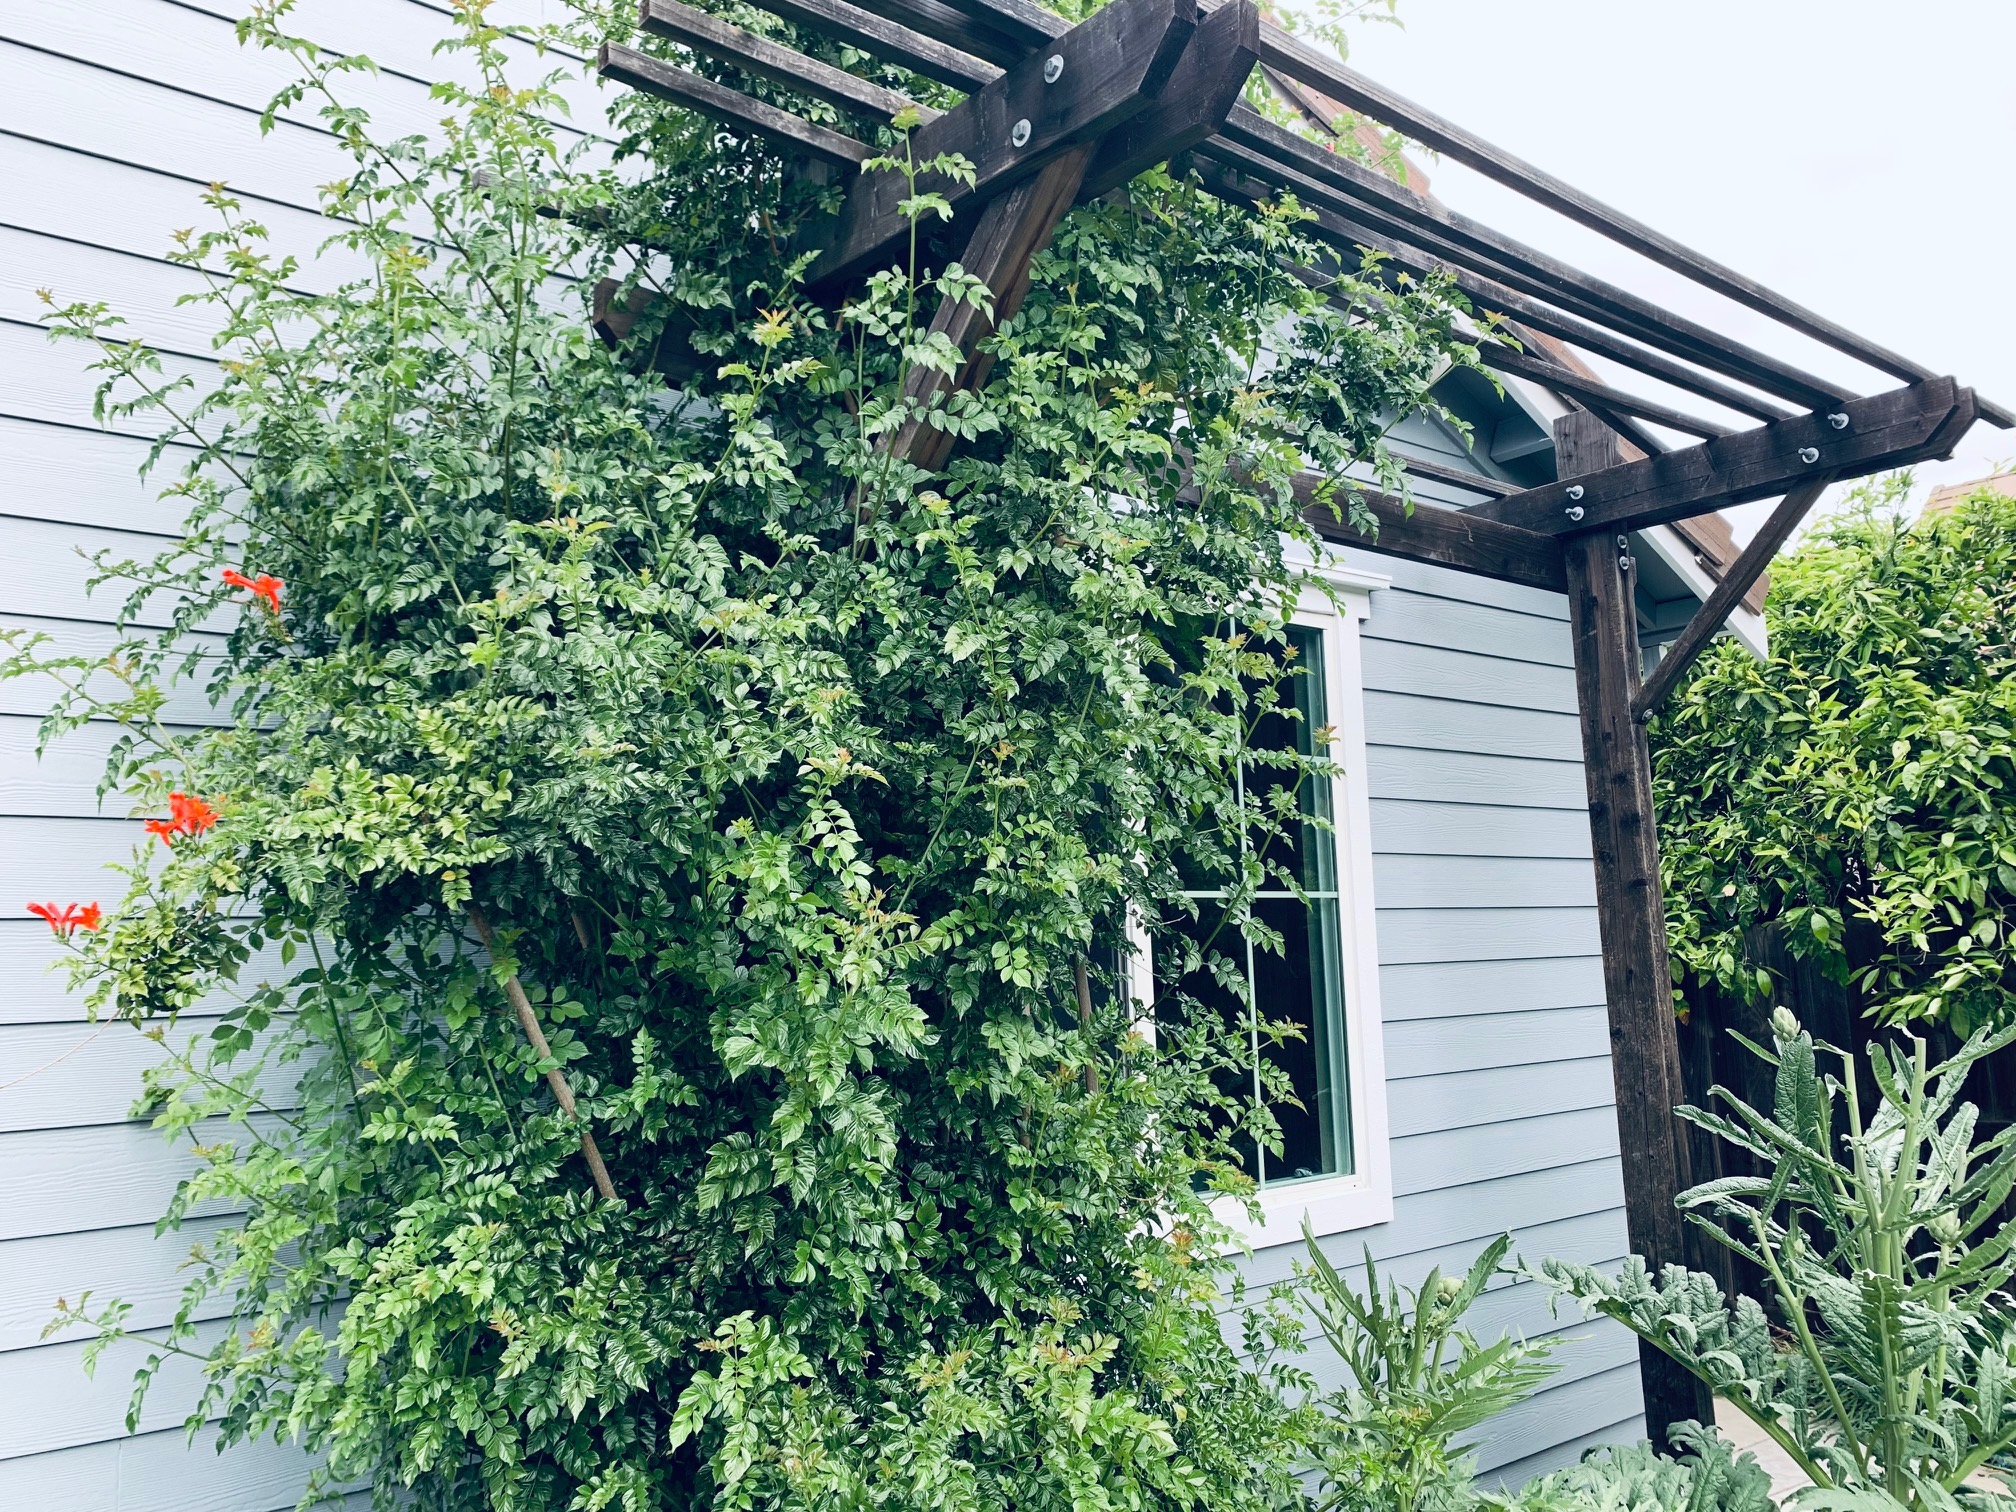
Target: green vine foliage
(1857, 788)
(798, 789)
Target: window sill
(1333, 1205)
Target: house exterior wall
(112, 118)
(1500, 1104)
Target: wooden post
(1644, 1047)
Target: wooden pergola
(1054, 114)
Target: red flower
(186, 816)
(263, 586)
(71, 916)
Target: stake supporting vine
(563, 1093)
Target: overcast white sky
(1857, 156)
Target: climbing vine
(666, 850)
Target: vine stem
(514, 991)
(1081, 982)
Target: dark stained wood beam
(1851, 440)
(764, 59)
(1333, 180)
(1437, 472)
(1011, 230)
(1090, 80)
(1229, 182)
(1630, 906)
(1710, 617)
(979, 35)
(1496, 299)
(1289, 55)
(1543, 369)
(888, 40)
(656, 77)
(1438, 536)
(1029, 23)
(1202, 89)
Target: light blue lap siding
(1501, 1103)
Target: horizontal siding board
(1405, 826)
(144, 292)
(51, 98)
(1397, 667)
(1408, 935)
(67, 1076)
(53, 568)
(1471, 777)
(1456, 1215)
(1420, 619)
(86, 478)
(131, 1264)
(71, 1408)
(131, 208)
(1586, 1238)
(48, 383)
(157, 1472)
(1460, 989)
(1485, 882)
(62, 783)
(1559, 1456)
(1488, 1039)
(1463, 1098)
(1562, 1413)
(1458, 587)
(1448, 724)
(188, 50)
(64, 861)
(400, 36)
(34, 694)
(1487, 1152)
(34, 988)
(67, 1181)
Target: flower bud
(1784, 1023)
(1944, 1227)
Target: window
(1333, 1162)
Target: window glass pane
(1299, 987)
(1290, 727)
(1218, 996)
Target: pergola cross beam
(1853, 439)
(1098, 75)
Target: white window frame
(1331, 1204)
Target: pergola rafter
(1057, 113)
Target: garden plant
(1393, 1438)
(653, 849)
(1416, 1382)
(1887, 1378)
(1856, 788)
